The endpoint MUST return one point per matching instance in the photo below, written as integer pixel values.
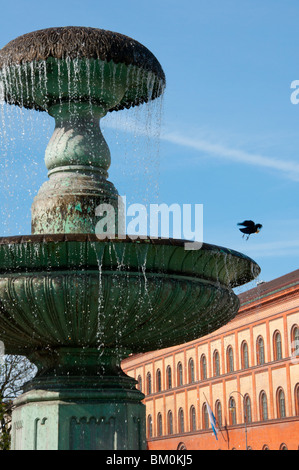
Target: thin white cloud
(289, 168)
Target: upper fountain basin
(54, 65)
(138, 295)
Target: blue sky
(230, 134)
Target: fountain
(76, 305)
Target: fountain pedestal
(107, 415)
(67, 407)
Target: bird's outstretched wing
(247, 223)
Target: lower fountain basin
(74, 291)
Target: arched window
(169, 422)
(205, 416)
(244, 355)
(139, 380)
(280, 400)
(179, 374)
(203, 367)
(158, 381)
(192, 418)
(296, 397)
(230, 359)
(168, 378)
(283, 446)
(260, 351)
(159, 425)
(247, 410)
(191, 371)
(181, 421)
(182, 446)
(149, 426)
(263, 406)
(216, 363)
(265, 447)
(295, 341)
(277, 349)
(232, 411)
(148, 383)
(218, 413)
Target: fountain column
(77, 158)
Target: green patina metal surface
(97, 416)
(135, 293)
(77, 306)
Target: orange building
(247, 372)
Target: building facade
(247, 372)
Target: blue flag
(212, 420)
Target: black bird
(249, 227)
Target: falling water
(99, 250)
(134, 139)
(23, 138)
(133, 135)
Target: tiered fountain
(76, 305)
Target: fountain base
(79, 411)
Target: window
(158, 380)
(216, 363)
(168, 378)
(230, 359)
(180, 374)
(191, 371)
(205, 416)
(260, 351)
(218, 413)
(203, 367)
(283, 447)
(297, 399)
(182, 446)
(192, 419)
(232, 411)
(181, 421)
(139, 380)
(295, 341)
(263, 406)
(149, 426)
(244, 355)
(148, 383)
(277, 349)
(159, 425)
(169, 422)
(247, 410)
(280, 400)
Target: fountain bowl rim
(252, 269)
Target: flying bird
(249, 227)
